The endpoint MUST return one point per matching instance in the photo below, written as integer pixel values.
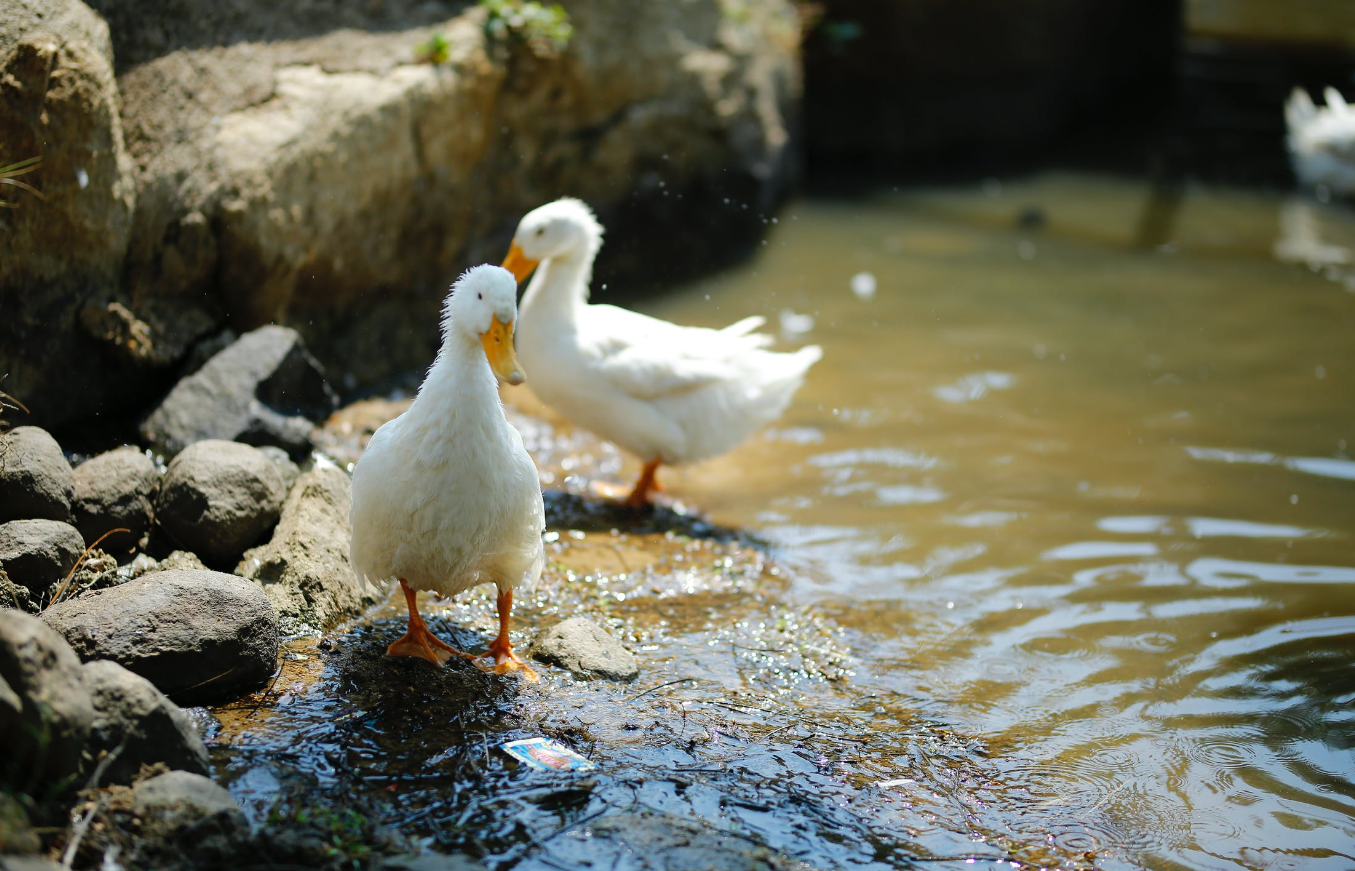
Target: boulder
(175, 800)
(586, 649)
(38, 553)
(35, 479)
(199, 636)
(129, 712)
(115, 490)
(59, 101)
(217, 498)
(45, 739)
(304, 569)
(263, 389)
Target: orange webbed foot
(505, 661)
(425, 645)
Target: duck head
(553, 230)
(483, 305)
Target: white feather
(1321, 141)
(445, 495)
(657, 389)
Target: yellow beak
(498, 342)
(517, 263)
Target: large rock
(199, 636)
(323, 178)
(45, 738)
(218, 498)
(37, 553)
(35, 479)
(115, 490)
(586, 649)
(64, 252)
(263, 389)
(131, 714)
(304, 569)
(177, 800)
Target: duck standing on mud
(666, 393)
(445, 497)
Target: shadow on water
(588, 513)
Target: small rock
(115, 490)
(586, 649)
(304, 569)
(430, 862)
(16, 832)
(218, 497)
(290, 471)
(35, 479)
(177, 799)
(199, 636)
(29, 863)
(45, 743)
(263, 389)
(38, 553)
(129, 712)
(14, 596)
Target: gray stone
(38, 553)
(649, 840)
(304, 569)
(263, 389)
(14, 596)
(129, 712)
(35, 479)
(199, 636)
(586, 649)
(44, 745)
(430, 862)
(218, 498)
(115, 490)
(29, 863)
(178, 799)
(290, 471)
(59, 99)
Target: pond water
(1076, 472)
(1051, 564)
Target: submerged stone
(586, 649)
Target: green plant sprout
(9, 175)
(544, 28)
(433, 50)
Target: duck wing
(648, 358)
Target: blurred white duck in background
(445, 497)
(1321, 141)
(668, 394)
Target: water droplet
(863, 285)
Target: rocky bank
(210, 167)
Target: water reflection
(1082, 495)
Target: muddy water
(1050, 565)
(1077, 477)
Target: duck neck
(559, 289)
(460, 386)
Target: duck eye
(540, 231)
(479, 296)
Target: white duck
(668, 394)
(1321, 141)
(445, 497)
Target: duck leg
(418, 641)
(505, 660)
(639, 497)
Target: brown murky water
(1052, 565)
(1083, 489)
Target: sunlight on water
(1086, 490)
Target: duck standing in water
(1321, 141)
(668, 394)
(445, 497)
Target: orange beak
(498, 342)
(517, 263)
